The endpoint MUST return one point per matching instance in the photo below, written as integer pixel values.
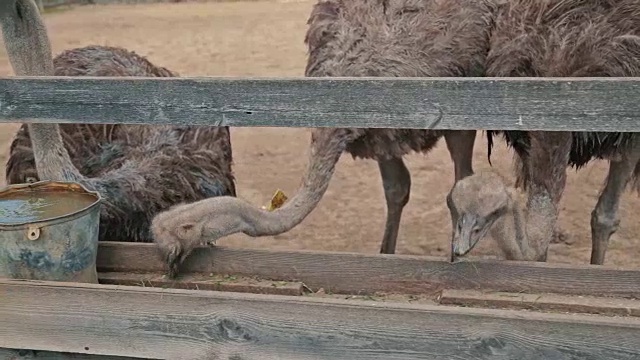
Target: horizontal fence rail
(553, 104)
(55, 3)
(193, 325)
(355, 273)
(64, 321)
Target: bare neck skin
(519, 232)
(545, 180)
(327, 147)
(29, 51)
(191, 225)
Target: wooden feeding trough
(299, 305)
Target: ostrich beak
(468, 231)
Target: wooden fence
(260, 304)
(50, 4)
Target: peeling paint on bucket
(59, 243)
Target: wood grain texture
(16, 354)
(541, 302)
(50, 4)
(356, 273)
(578, 104)
(204, 282)
(187, 324)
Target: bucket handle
(33, 233)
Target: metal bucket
(56, 248)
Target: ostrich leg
(604, 217)
(460, 146)
(396, 181)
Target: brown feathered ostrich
(402, 38)
(139, 170)
(560, 38)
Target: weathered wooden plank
(52, 4)
(17, 354)
(187, 324)
(111, 2)
(204, 282)
(544, 302)
(370, 273)
(579, 104)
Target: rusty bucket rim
(57, 219)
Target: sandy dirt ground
(266, 39)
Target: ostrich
(403, 38)
(564, 38)
(139, 170)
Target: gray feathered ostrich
(407, 38)
(561, 38)
(139, 170)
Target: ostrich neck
(29, 51)
(522, 233)
(51, 158)
(326, 147)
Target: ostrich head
(478, 200)
(186, 226)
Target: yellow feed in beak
(278, 199)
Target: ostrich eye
(31, 179)
(478, 225)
